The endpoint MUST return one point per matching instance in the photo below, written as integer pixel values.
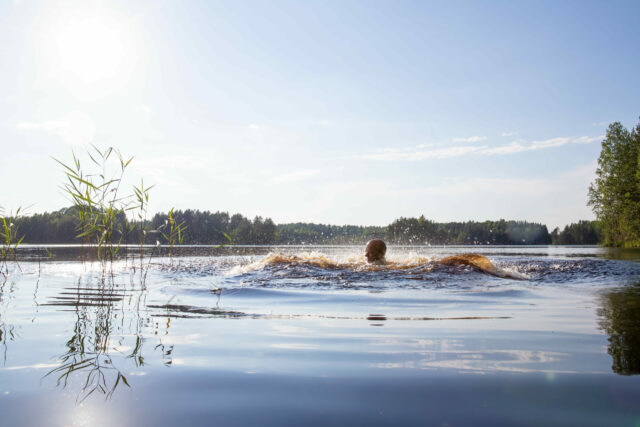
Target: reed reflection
(7, 331)
(108, 335)
(620, 318)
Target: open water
(315, 336)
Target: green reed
(9, 240)
(141, 204)
(96, 196)
(173, 232)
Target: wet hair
(375, 251)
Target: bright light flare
(91, 49)
(90, 46)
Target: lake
(312, 335)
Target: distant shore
(216, 228)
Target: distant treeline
(199, 228)
(214, 228)
(580, 233)
(424, 231)
(319, 234)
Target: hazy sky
(332, 112)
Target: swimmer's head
(375, 251)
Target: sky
(334, 112)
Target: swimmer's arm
(480, 262)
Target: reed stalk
(173, 232)
(141, 194)
(9, 240)
(95, 193)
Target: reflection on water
(108, 332)
(620, 318)
(7, 331)
(88, 358)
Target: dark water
(314, 336)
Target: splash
(314, 259)
(359, 263)
(481, 263)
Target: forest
(423, 231)
(580, 233)
(215, 228)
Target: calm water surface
(313, 336)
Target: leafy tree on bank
(615, 194)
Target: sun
(91, 46)
(91, 49)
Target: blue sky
(333, 112)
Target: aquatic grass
(224, 244)
(9, 240)
(173, 232)
(141, 194)
(95, 193)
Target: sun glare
(90, 49)
(90, 46)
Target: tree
(615, 194)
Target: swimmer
(375, 251)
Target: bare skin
(480, 262)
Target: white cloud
(144, 109)
(514, 147)
(76, 128)
(254, 126)
(587, 139)
(402, 150)
(470, 139)
(547, 143)
(514, 133)
(517, 146)
(557, 142)
(299, 175)
(439, 153)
